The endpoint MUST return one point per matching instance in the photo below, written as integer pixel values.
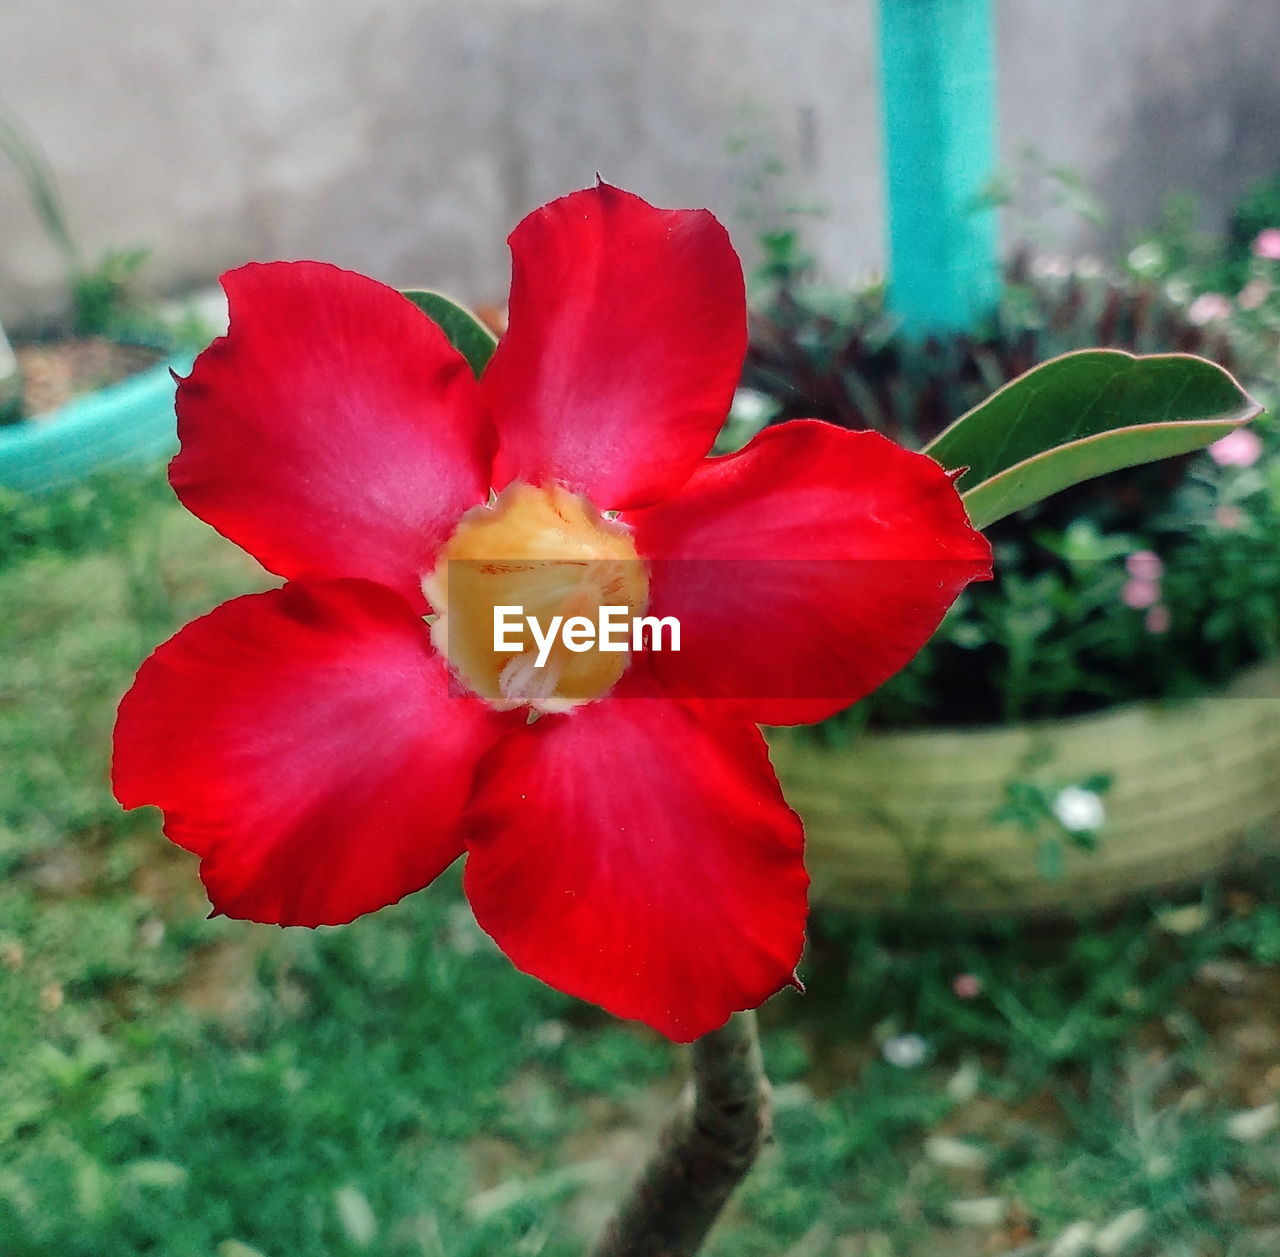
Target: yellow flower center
(533, 554)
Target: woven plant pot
(907, 818)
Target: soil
(55, 372)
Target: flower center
(536, 554)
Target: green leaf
(155, 1173)
(1082, 415)
(356, 1215)
(1049, 862)
(466, 333)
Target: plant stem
(703, 1154)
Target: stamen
(545, 556)
(521, 681)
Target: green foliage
(10, 382)
(464, 331)
(775, 220)
(1034, 804)
(1178, 244)
(1073, 1080)
(28, 158)
(1222, 283)
(1257, 211)
(1053, 634)
(784, 259)
(130, 1123)
(102, 511)
(106, 300)
(10, 398)
(106, 297)
(1034, 195)
(1080, 416)
(838, 355)
(399, 1088)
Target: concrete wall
(405, 137)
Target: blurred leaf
(120, 1103)
(150, 1173)
(466, 333)
(93, 1188)
(1080, 416)
(32, 165)
(356, 1215)
(1049, 859)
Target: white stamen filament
(523, 680)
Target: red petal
(640, 856)
(805, 570)
(333, 431)
(304, 743)
(628, 328)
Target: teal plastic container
(129, 422)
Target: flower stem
(704, 1153)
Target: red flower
(309, 744)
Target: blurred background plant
(10, 382)
(105, 297)
(176, 1085)
(1103, 1086)
(404, 1091)
(1068, 627)
(114, 326)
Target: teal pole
(937, 75)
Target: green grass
(193, 1088)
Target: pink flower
(1229, 517)
(1157, 620)
(1140, 594)
(1266, 244)
(967, 986)
(1144, 565)
(1209, 307)
(1241, 448)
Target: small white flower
(1147, 259)
(550, 1034)
(1075, 1241)
(985, 1211)
(1079, 811)
(1251, 1125)
(1187, 919)
(1120, 1232)
(750, 406)
(906, 1051)
(963, 1085)
(791, 1095)
(958, 1154)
